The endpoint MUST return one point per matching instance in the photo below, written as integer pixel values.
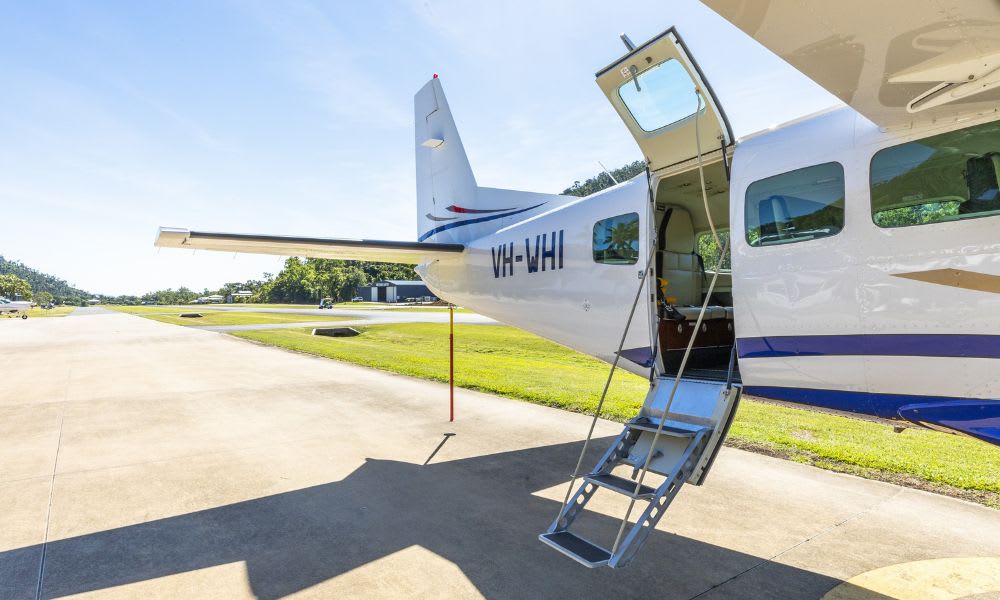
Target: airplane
(14, 307)
(865, 266)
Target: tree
(621, 238)
(299, 281)
(602, 181)
(11, 285)
(312, 279)
(39, 282)
(43, 297)
(709, 251)
(181, 295)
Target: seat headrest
(680, 232)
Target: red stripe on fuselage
(475, 211)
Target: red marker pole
(451, 360)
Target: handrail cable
(607, 384)
(690, 345)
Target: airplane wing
(894, 61)
(344, 249)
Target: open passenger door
(666, 103)
(674, 116)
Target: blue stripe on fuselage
(942, 345)
(878, 405)
(978, 417)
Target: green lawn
(55, 311)
(141, 310)
(507, 361)
(144, 310)
(431, 309)
(166, 314)
(357, 304)
(369, 305)
(274, 305)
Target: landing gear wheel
(24, 316)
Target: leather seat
(711, 312)
(683, 269)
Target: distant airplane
(16, 308)
(865, 273)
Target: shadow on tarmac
(479, 513)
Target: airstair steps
(582, 551)
(695, 418)
(670, 427)
(621, 485)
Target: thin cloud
(192, 127)
(314, 52)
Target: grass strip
(510, 362)
(228, 317)
(56, 311)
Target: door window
(664, 95)
(801, 205)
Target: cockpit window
(947, 177)
(797, 206)
(664, 96)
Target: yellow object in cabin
(663, 292)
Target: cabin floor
(142, 459)
(711, 372)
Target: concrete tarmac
(141, 459)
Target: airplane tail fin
(451, 208)
(445, 182)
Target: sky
(295, 117)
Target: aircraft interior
(686, 260)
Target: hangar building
(395, 290)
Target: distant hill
(63, 292)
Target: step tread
(581, 550)
(670, 427)
(621, 485)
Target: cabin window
(665, 95)
(801, 205)
(616, 240)
(709, 251)
(946, 177)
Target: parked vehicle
(15, 308)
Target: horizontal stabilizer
(337, 248)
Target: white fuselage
(870, 291)
(844, 287)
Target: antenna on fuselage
(607, 172)
(628, 43)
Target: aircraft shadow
(479, 513)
